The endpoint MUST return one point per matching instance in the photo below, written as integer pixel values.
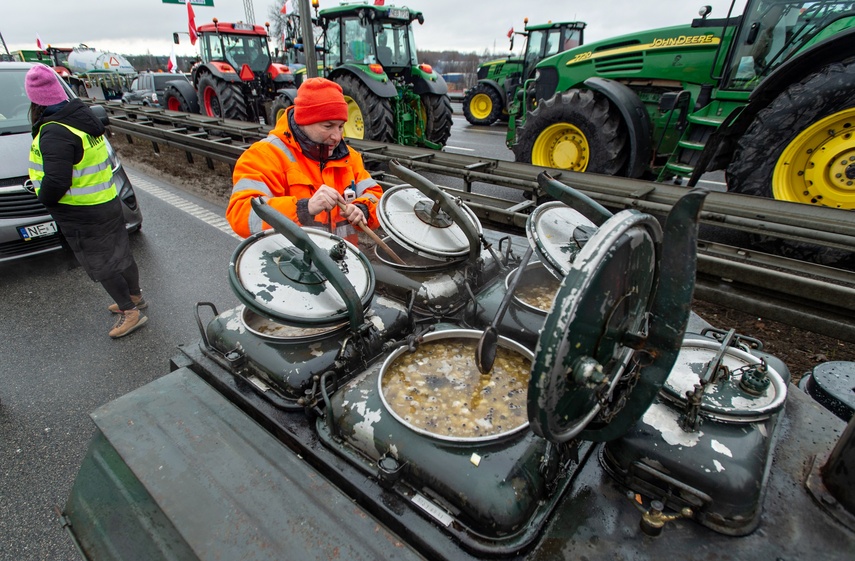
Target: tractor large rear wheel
(482, 105)
(277, 109)
(802, 147)
(221, 99)
(369, 116)
(438, 118)
(577, 130)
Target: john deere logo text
(684, 40)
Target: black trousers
(120, 287)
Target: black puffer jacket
(95, 233)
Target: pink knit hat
(43, 87)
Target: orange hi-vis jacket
(277, 168)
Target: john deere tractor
(370, 52)
(235, 77)
(768, 94)
(500, 79)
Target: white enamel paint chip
(665, 420)
(721, 448)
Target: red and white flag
(284, 9)
(41, 46)
(510, 32)
(379, 2)
(172, 65)
(191, 22)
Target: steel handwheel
(818, 166)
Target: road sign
(208, 3)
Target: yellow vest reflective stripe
(91, 177)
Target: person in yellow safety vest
(304, 170)
(72, 175)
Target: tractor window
(553, 42)
(212, 49)
(246, 49)
(360, 46)
(534, 47)
(572, 39)
(332, 43)
(394, 45)
(774, 30)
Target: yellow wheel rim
(481, 106)
(562, 146)
(278, 115)
(355, 125)
(818, 166)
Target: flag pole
(308, 40)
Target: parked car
(26, 227)
(147, 88)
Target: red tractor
(235, 77)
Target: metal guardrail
(807, 295)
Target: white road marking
(194, 210)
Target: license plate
(38, 230)
(397, 13)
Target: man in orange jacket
(303, 168)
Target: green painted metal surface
(176, 472)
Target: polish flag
(379, 2)
(41, 46)
(191, 22)
(510, 32)
(172, 65)
(284, 7)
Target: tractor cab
(370, 51)
(237, 44)
(548, 39)
(382, 36)
(235, 77)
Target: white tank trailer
(83, 60)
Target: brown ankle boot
(138, 301)
(128, 322)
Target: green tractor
(370, 52)
(500, 79)
(767, 95)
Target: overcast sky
(136, 27)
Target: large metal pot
(447, 398)
(536, 289)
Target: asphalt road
(59, 365)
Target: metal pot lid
(411, 218)
(584, 367)
(276, 279)
(557, 233)
(733, 398)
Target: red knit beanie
(319, 99)
(43, 87)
